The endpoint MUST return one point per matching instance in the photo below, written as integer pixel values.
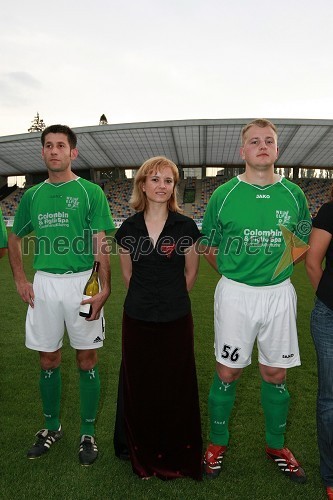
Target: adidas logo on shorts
(97, 339)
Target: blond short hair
(260, 122)
(138, 199)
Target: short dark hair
(60, 129)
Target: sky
(156, 60)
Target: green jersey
(64, 217)
(251, 226)
(3, 232)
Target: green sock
(221, 401)
(275, 403)
(50, 389)
(89, 399)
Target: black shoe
(88, 450)
(45, 440)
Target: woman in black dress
(159, 264)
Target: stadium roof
(189, 143)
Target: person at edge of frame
(70, 217)
(3, 236)
(321, 249)
(255, 227)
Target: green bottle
(91, 289)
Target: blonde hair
(138, 199)
(262, 123)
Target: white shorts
(243, 313)
(56, 306)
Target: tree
(103, 120)
(37, 124)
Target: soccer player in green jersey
(255, 228)
(3, 236)
(70, 217)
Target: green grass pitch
(246, 471)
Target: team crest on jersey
(72, 203)
(283, 217)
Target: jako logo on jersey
(263, 196)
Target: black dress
(161, 413)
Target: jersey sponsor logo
(72, 203)
(283, 217)
(55, 219)
(264, 232)
(264, 196)
(262, 238)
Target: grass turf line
(246, 471)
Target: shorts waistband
(65, 275)
(251, 287)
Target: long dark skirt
(161, 403)
(119, 435)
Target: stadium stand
(317, 191)
(6, 191)
(9, 204)
(118, 193)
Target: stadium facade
(200, 148)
